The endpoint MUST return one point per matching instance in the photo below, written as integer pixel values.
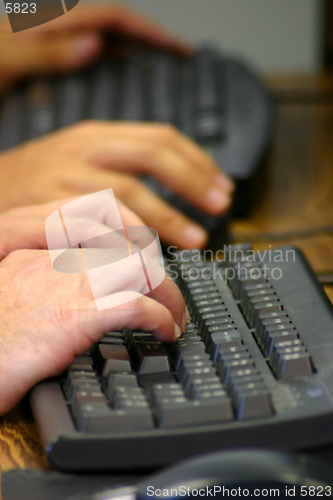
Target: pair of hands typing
(47, 317)
(93, 156)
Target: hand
(93, 156)
(75, 40)
(48, 318)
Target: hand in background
(93, 156)
(48, 317)
(75, 40)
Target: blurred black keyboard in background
(218, 101)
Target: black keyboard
(216, 100)
(253, 369)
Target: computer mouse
(235, 474)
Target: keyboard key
(116, 380)
(201, 373)
(186, 365)
(210, 107)
(132, 102)
(228, 338)
(102, 102)
(40, 110)
(294, 365)
(254, 403)
(78, 385)
(163, 90)
(85, 397)
(188, 348)
(263, 308)
(152, 358)
(100, 418)
(234, 366)
(221, 327)
(112, 358)
(275, 337)
(190, 413)
(72, 96)
(198, 389)
(11, 120)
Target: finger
(24, 227)
(169, 166)
(139, 313)
(128, 274)
(173, 227)
(159, 134)
(168, 294)
(121, 20)
(127, 215)
(83, 327)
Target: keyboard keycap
(152, 358)
(253, 403)
(294, 365)
(190, 413)
(112, 358)
(100, 418)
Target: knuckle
(129, 186)
(170, 217)
(20, 255)
(169, 134)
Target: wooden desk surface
(298, 195)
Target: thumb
(60, 53)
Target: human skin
(92, 156)
(48, 317)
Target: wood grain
(298, 194)
(20, 444)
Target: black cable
(288, 235)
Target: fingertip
(177, 332)
(218, 200)
(225, 182)
(194, 237)
(85, 49)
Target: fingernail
(225, 182)
(194, 236)
(187, 316)
(218, 199)
(177, 331)
(85, 48)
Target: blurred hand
(93, 156)
(75, 40)
(48, 318)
